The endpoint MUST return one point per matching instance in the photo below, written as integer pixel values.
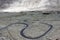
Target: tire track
(26, 25)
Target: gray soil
(33, 19)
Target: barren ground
(35, 28)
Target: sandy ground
(35, 28)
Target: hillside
(29, 5)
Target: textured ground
(29, 5)
(35, 27)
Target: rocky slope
(29, 5)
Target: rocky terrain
(29, 5)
